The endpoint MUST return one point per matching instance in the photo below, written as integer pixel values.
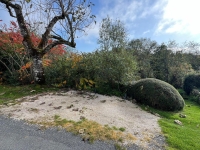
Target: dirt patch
(105, 110)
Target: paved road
(18, 135)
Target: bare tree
(62, 21)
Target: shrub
(61, 72)
(195, 96)
(156, 93)
(190, 82)
(108, 70)
(110, 66)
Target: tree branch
(70, 27)
(55, 43)
(8, 5)
(10, 12)
(60, 39)
(7, 2)
(45, 36)
(22, 24)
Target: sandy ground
(105, 110)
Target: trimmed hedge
(156, 93)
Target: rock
(61, 94)
(21, 99)
(80, 92)
(42, 103)
(182, 116)
(81, 131)
(34, 98)
(133, 101)
(68, 107)
(157, 115)
(178, 122)
(82, 118)
(75, 109)
(50, 104)
(81, 111)
(10, 104)
(103, 101)
(58, 107)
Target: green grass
(8, 93)
(185, 137)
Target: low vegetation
(191, 82)
(156, 93)
(90, 130)
(9, 93)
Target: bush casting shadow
(156, 93)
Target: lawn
(185, 136)
(10, 93)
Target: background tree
(179, 67)
(192, 54)
(64, 18)
(143, 50)
(112, 35)
(169, 64)
(161, 62)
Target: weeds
(91, 131)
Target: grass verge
(8, 94)
(90, 130)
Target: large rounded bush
(156, 93)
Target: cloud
(124, 10)
(145, 32)
(152, 9)
(180, 16)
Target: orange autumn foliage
(11, 40)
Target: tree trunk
(38, 69)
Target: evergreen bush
(191, 82)
(156, 93)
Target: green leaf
(27, 1)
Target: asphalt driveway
(18, 135)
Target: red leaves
(14, 24)
(27, 66)
(11, 38)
